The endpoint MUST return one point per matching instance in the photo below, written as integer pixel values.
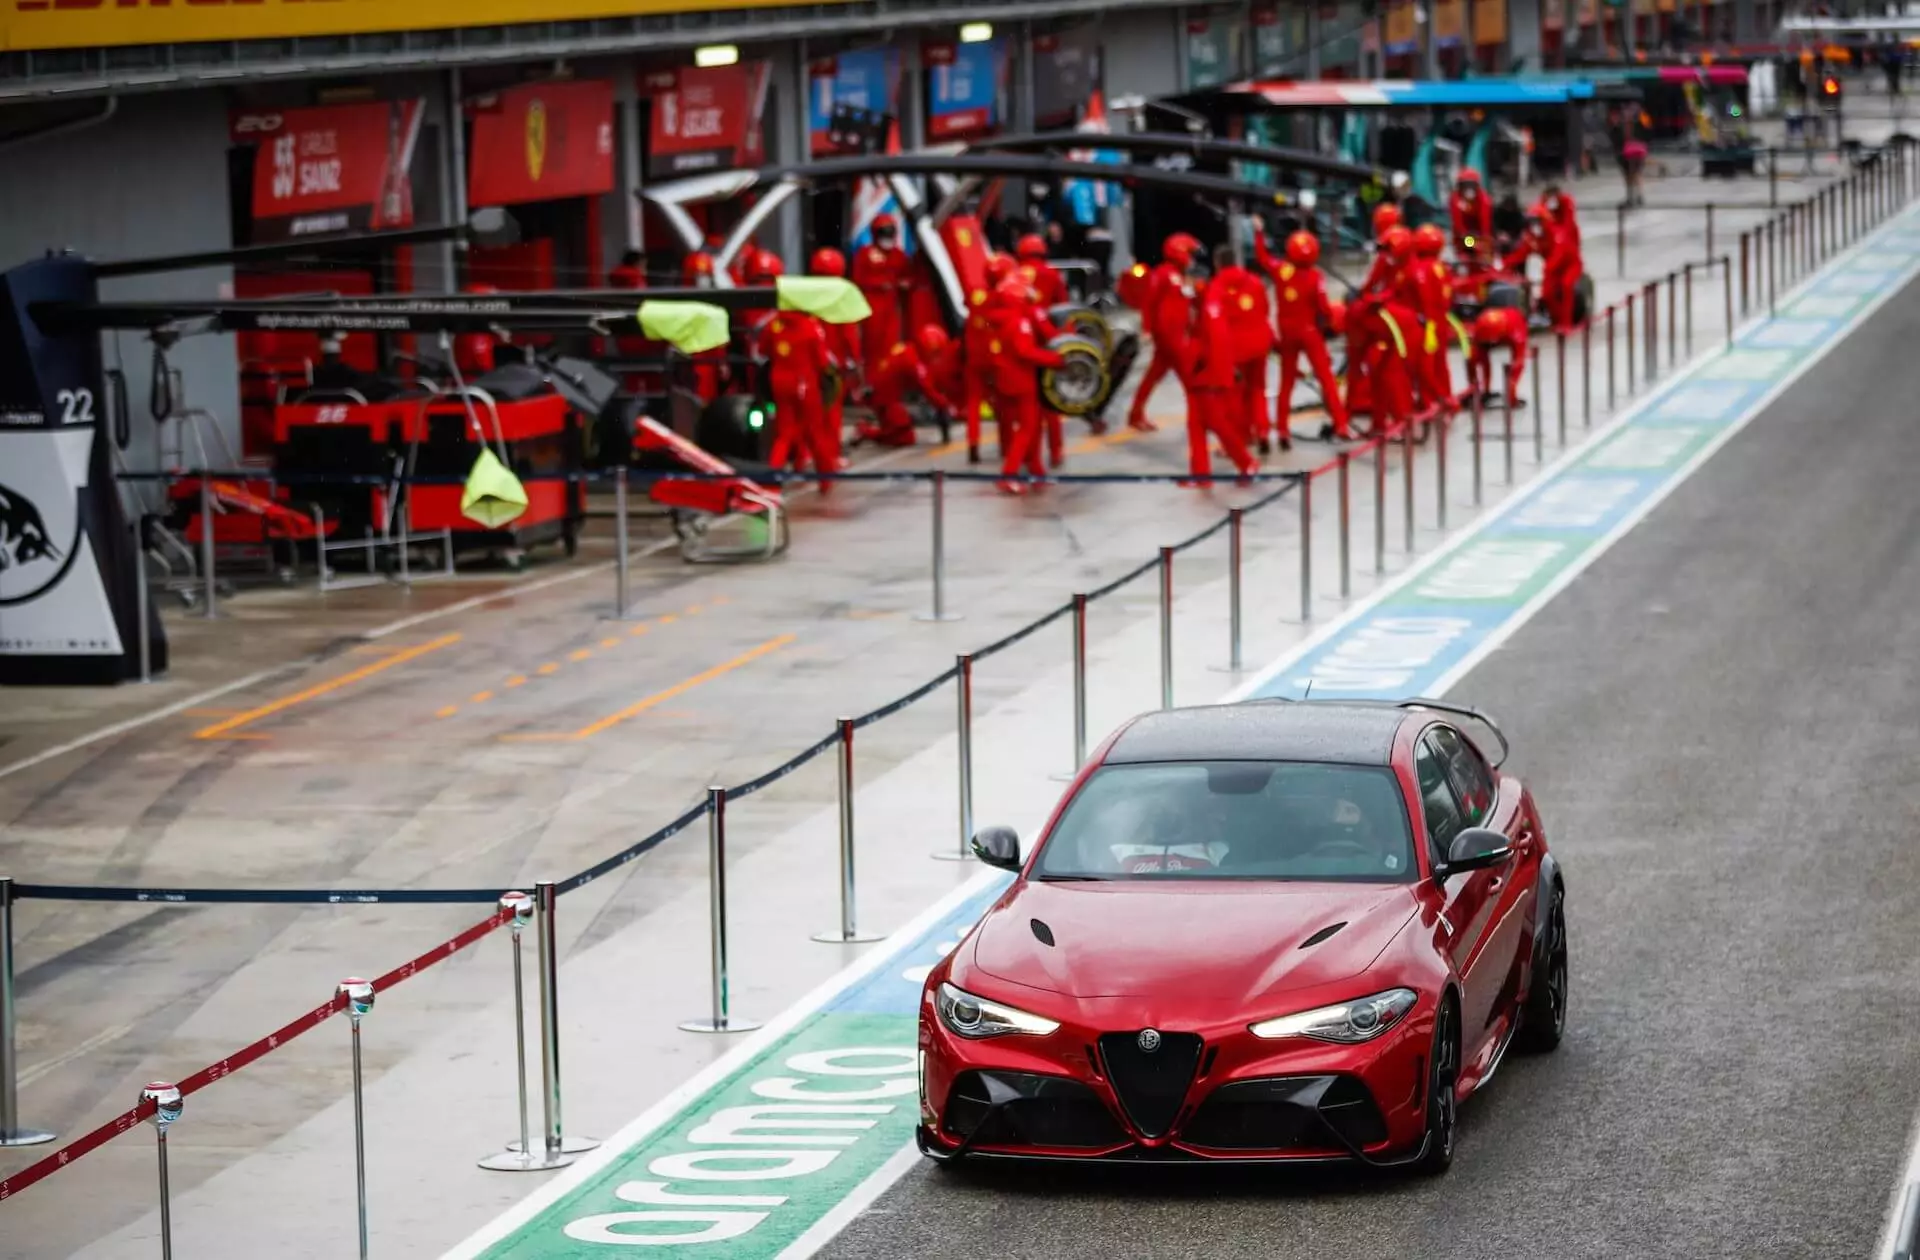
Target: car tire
(1543, 1017)
(1443, 1108)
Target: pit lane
(1717, 720)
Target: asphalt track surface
(1718, 719)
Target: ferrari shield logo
(536, 138)
(1149, 1040)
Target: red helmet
(1336, 316)
(1429, 240)
(828, 262)
(1001, 266)
(765, 265)
(1384, 217)
(1303, 248)
(697, 266)
(1467, 176)
(1013, 289)
(1179, 249)
(1397, 242)
(885, 223)
(1032, 247)
(931, 339)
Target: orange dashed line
(638, 630)
(480, 697)
(606, 643)
(448, 711)
(580, 655)
(225, 729)
(718, 599)
(549, 668)
(667, 619)
(518, 680)
(693, 610)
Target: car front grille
(1046, 1111)
(1150, 1084)
(1287, 1113)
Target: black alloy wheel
(1443, 1110)
(1543, 1019)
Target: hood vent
(1322, 934)
(1041, 932)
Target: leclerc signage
(705, 119)
(32, 24)
(539, 142)
(336, 168)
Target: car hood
(1227, 943)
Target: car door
(1466, 900)
(1487, 801)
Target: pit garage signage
(540, 142)
(706, 119)
(52, 601)
(966, 84)
(851, 97)
(336, 168)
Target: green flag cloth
(830, 298)
(493, 496)
(689, 327)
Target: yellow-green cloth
(689, 327)
(830, 298)
(493, 496)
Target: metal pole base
(568, 1145)
(24, 1137)
(941, 617)
(951, 855)
(513, 1159)
(731, 1024)
(855, 937)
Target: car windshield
(1233, 820)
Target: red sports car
(1276, 930)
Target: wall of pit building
(153, 180)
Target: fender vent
(1322, 934)
(1041, 932)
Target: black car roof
(1264, 730)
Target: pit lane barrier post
(939, 613)
(1379, 506)
(167, 1103)
(1506, 416)
(358, 996)
(209, 586)
(1651, 294)
(1306, 549)
(1620, 239)
(1586, 373)
(846, 933)
(1345, 476)
(963, 743)
(1479, 416)
(1726, 272)
(1441, 423)
(1709, 229)
(1406, 478)
(1631, 336)
(520, 1157)
(547, 955)
(722, 1019)
(1560, 355)
(1536, 404)
(1610, 375)
(1166, 627)
(1689, 305)
(11, 1131)
(620, 557)
(1079, 681)
(1235, 527)
(1673, 315)
(142, 597)
(1746, 249)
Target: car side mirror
(1474, 849)
(997, 846)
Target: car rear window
(1233, 820)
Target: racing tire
(1443, 1109)
(1543, 1016)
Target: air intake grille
(1151, 1085)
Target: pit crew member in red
(884, 274)
(1302, 316)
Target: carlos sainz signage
(68, 564)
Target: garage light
(976, 32)
(716, 55)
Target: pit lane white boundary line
(1900, 1237)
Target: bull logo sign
(536, 138)
(33, 557)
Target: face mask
(883, 238)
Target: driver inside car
(1140, 835)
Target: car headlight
(1362, 1019)
(966, 1015)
